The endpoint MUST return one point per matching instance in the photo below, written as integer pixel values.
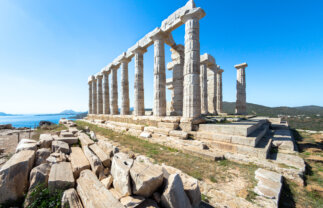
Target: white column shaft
(90, 98)
(94, 96)
(204, 90)
(192, 93)
(159, 78)
(114, 92)
(139, 100)
(125, 109)
(106, 94)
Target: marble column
(241, 108)
(177, 66)
(211, 82)
(106, 93)
(90, 95)
(125, 106)
(159, 108)
(219, 91)
(99, 94)
(139, 100)
(192, 93)
(94, 96)
(114, 90)
(204, 90)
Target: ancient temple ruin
(196, 84)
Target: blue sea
(31, 121)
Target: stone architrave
(106, 93)
(192, 93)
(241, 108)
(114, 90)
(94, 95)
(219, 91)
(159, 73)
(139, 101)
(125, 104)
(211, 86)
(99, 94)
(90, 95)
(177, 66)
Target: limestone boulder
(26, 144)
(190, 184)
(56, 157)
(39, 175)
(71, 199)
(146, 178)
(66, 133)
(107, 182)
(59, 146)
(93, 194)
(14, 175)
(85, 139)
(269, 184)
(45, 141)
(107, 147)
(95, 162)
(105, 158)
(93, 135)
(41, 156)
(131, 201)
(120, 169)
(69, 140)
(61, 177)
(145, 134)
(78, 161)
(174, 195)
(148, 203)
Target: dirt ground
(8, 142)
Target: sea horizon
(32, 120)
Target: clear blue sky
(49, 48)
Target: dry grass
(220, 172)
(310, 196)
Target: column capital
(220, 71)
(93, 78)
(193, 13)
(89, 80)
(99, 75)
(123, 58)
(158, 34)
(139, 50)
(207, 59)
(240, 66)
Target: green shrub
(41, 198)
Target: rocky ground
(113, 157)
(9, 140)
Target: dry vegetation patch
(236, 178)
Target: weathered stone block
(78, 161)
(14, 175)
(61, 177)
(93, 194)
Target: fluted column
(114, 91)
(211, 84)
(99, 94)
(241, 108)
(219, 91)
(204, 90)
(125, 106)
(159, 108)
(94, 96)
(177, 66)
(90, 95)
(192, 93)
(106, 93)
(139, 100)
